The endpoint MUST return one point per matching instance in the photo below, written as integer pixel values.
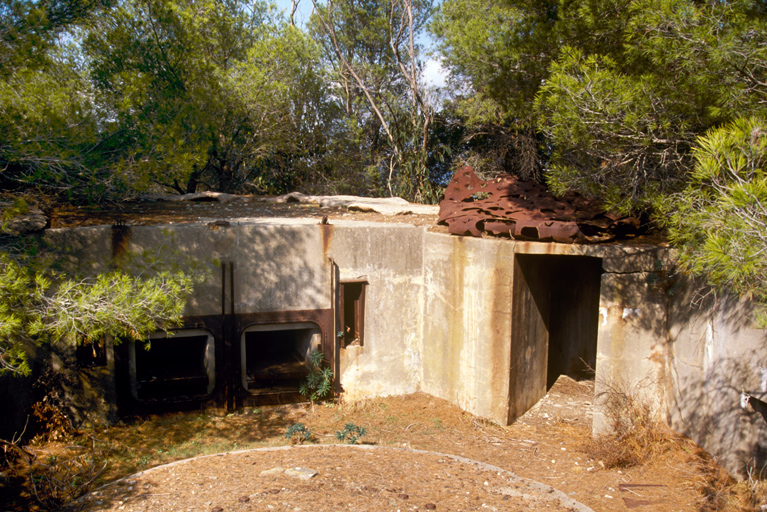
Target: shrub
(319, 382)
(298, 433)
(350, 433)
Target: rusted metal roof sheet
(508, 206)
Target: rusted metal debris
(508, 206)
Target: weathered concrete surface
(467, 322)
(279, 266)
(389, 258)
(687, 356)
(715, 354)
(476, 321)
(632, 342)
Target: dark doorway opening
(353, 312)
(275, 357)
(555, 318)
(176, 368)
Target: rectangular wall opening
(274, 357)
(555, 317)
(176, 368)
(353, 312)
(574, 318)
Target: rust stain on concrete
(326, 232)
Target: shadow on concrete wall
(709, 408)
(276, 268)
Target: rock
(272, 472)
(202, 196)
(31, 222)
(382, 205)
(430, 506)
(243, 499)
(302, 473)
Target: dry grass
(636, 436)
(418, 421)
(639, 438)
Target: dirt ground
(549, 445)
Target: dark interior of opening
(353, 306)
(172, 368)
(565, 291)
(574, 318)
(275, 360)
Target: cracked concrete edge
(543, 490)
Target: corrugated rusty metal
(508, 206)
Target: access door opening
(173, 368)
(275, 357)
(555, 315)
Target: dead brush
(56, 481)
(636, 436)
(722, 493)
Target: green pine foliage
(719, 222)
(617, 90)
(41, 306)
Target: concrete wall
(484, 323)
(715, 354)
(467, 322)
(668, 341)
(390, 259)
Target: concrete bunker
(485, 323)
(554, 327)
(275, 357)
(178, 367)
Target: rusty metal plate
(521, 210)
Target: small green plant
(350, 433)
(319, 382)
(297, 433)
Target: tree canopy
(619, 90)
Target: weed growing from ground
(297, 433)
(319, 382)
(350, 433)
